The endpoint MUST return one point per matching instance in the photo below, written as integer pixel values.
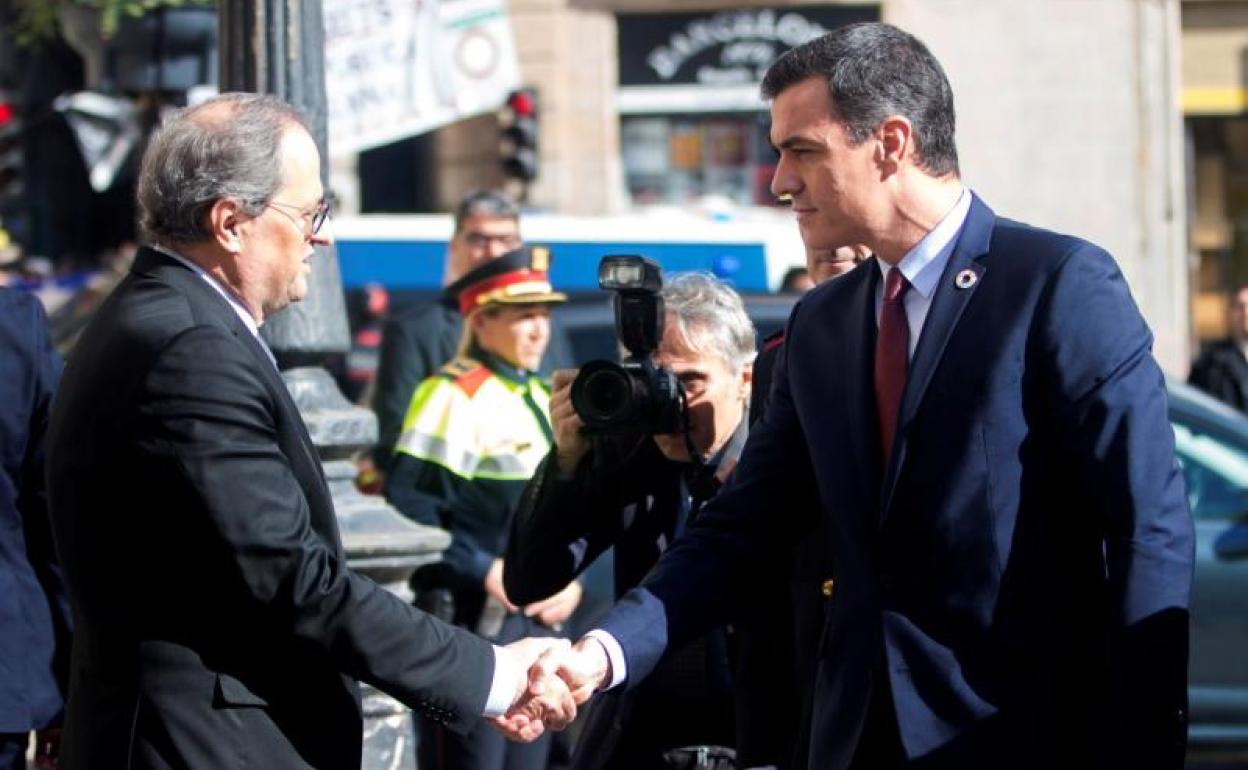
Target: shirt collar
(500, 367)
(243, 314)
(704, 480)
(924, 263)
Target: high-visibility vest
(478, 424)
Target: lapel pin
(966, 279)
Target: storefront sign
(725, 48)
(395, 68)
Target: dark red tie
(891, 353)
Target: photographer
(621, 486)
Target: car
(1211, 443)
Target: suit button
(826, 588)
(887, 581)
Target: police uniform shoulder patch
(467, 375)
(458, 367)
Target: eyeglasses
(309, 221)
(478, 239)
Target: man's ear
(896, 142)
(747, 378)
(225, 221)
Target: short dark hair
(226, 147)
(486, 203)
(873, 71)
(792, 276)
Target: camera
(635, 395)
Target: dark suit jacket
(218, 624)
(1019, 574)
(415, 343)
(1222, 372)
(777, 636)
(34, 613)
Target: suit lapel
(948, 301)
(864, 429)
(162, 267)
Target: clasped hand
(559, 678)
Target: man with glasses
(217, 623)
(417, 342)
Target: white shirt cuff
(503, 688)
(615, 656)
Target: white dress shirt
(923, 265)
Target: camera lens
(607, 393)
(603, 394)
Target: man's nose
(324, 236)
(783, 180)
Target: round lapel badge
(965, 279)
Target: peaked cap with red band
(519, 277)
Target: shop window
(680, 158)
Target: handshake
(557, 677)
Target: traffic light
(12, 193)
(518, 135)
(10, 153)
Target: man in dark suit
(1222, 370)
(34, 613)
(986, 431)
(218, 624)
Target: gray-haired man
(637, 492)
(218, 624)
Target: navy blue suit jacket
(1019, 573)
(34, 613)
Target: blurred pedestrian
(34, 611)
(417, 341)
(796, 280)
(473, 435)
(1222, 370)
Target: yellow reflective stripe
(440, 427)
(439, 452)
(420, 398)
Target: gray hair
(226, 147)
(710, 317)
(485, 203)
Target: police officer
(473, 436)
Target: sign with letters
(721, 48)
(396, 68)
